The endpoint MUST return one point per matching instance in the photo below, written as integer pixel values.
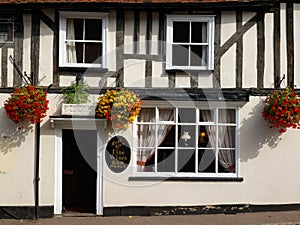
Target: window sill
(157, 178)
(191, 71)
(82, 70)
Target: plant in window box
(76, 100)
(27, 104)
(121, 107)
(282, 109)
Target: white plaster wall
(134, 73)
(269, 51)
(206, 79)
(17, 159)
(16, 162)
(228, 60)
(10, 68)
(297, 44)
(268, 178)
(27, 43)
(46, 55)
(143, 31)
(111, 42)
(128, 32)
(159, 78)
(249, 54)
(283, 44)
(155, 29)
(182, 80)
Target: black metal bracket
(278, 81)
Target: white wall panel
(111, 41)
(283, 46)
(46, 55)
(297, 44)
(143, 28)
(269, 51)
(129, 32)
(228, 60)
(27, 43)
(10, 68)
(159, 78)
(249, 54)
(134, 73)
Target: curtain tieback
(141, 163)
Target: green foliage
(76, 94)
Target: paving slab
(260, 218)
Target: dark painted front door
(79, 171)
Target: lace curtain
(146, 135)
(226, 137)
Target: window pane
(187, 115)
(226, 161)
(202, 137)
(93, 29)
(6, 32)
(186, 136)
(181, 32)
(74, 29)
(166, 135)
(180, 55)
(93, 52)
(186, 160)
(79, 52)
(166, 160)
(206, 115)
(147, 115)
(207, 161)
(146, 135)
(198, 55)
(199, 32)
(207, 136)
(226, 137)
(166, 114)
(227, 116)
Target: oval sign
(118, 154)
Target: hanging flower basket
(282, 109)
(121, 107)
(27, 104)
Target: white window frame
(210, 40)
(197, 123)
(63, 15)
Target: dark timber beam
(148, 69)
(35, 46)
(120, 48)
(217, 56)
(18, 48)
(290, 42)
(260, 52)
(276, 43)
(239, 52)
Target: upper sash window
(6, 30)
(190, 40)
(82, 39)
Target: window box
(190, 42)
(78, 110)
(82, 39)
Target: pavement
(258, 218)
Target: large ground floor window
(187, 142)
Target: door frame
(77, 124)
